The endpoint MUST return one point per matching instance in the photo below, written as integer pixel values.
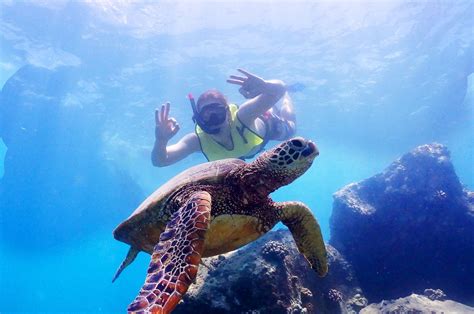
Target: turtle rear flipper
(131, 255)
(175, 259)
(306, 233)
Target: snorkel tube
(193, 105)
(197, 118)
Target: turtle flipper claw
(175, 259)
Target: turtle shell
(144, 226)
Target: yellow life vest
(246, 142)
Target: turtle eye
(297, 143)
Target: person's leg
(287, 109)
(281, 122)
(287, 113)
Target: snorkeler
(225, 130)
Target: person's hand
(252, 85)
(165, 127)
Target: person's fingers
(157, 116)
(239, 78)
(172, 121)
(236, 82)
(167, 110)
(162, 113)
(172, 125)
(175, 129)
(246, 73)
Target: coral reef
(435, 294)
(408, 228)
(417, 304)
(270, 276)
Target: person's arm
(163, 155)
(262, 95)
(165, 128)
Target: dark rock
(409, 228)
(416, 304)
(57, 185)
(270, 276)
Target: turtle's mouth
(310, 149)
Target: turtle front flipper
(175, 259)
(306, 233)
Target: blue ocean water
(80, 82)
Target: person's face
(214, 113)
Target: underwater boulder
(271, 276)
(415, 303)
(56, 185)
(408, 228)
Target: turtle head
(290, 159)
(282, 164)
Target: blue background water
(81, 81)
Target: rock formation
(417, 304)
(271, 276)
(409, 228)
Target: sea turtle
(214, 208)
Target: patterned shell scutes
(206, 173)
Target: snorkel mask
(208, 121)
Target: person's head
(212, 111)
